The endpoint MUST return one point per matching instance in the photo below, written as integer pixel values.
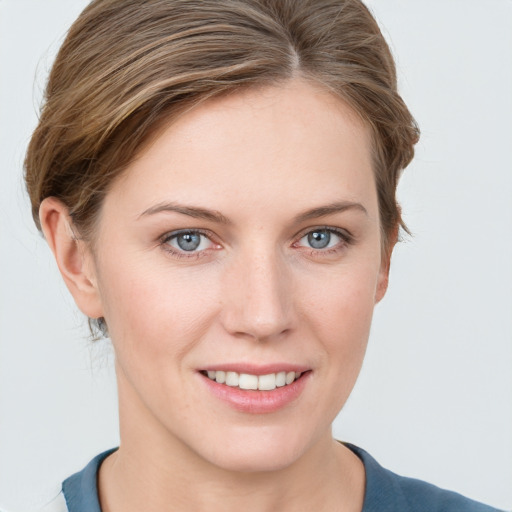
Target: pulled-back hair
(127, 66)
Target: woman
(217, 183)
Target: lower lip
(258, 402)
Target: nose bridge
(258, 301)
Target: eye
(323, 238)
(320, 239)
(188, 241)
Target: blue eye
(188, 241)
(321, 239)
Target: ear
(382, 282)
(383, 277)
(73, 256)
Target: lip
(252, 401)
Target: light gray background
(434, 399)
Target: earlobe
(382, 283)
(72, 255)
(383, 278)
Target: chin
(258, 450)
(251, 459)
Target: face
(243, 244)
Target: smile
(249, 381)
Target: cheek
(154, 311)
(340, 313)
(342, 301)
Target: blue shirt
(385, 491)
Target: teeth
(267, 382)
(290, 377)
(247, 381)
(232, 379)
(280, 379)
(254, 382)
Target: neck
(153, 469)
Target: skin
(255, 291)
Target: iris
(319, 239)
(188, 241)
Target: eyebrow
(191, 211)
(330, 209)
(215, 216)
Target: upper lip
(257, 369)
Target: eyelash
(346, 239)
(165, 239)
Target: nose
(257, 297)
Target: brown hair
(126, 66)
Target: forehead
(295, 143)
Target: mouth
(256, 390)
(252, 382)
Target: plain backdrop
(434, 399)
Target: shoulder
(422, 496)
(386, 492)
(79, 492)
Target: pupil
(319, 239)
(189, 241)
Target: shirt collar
(81, 489)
